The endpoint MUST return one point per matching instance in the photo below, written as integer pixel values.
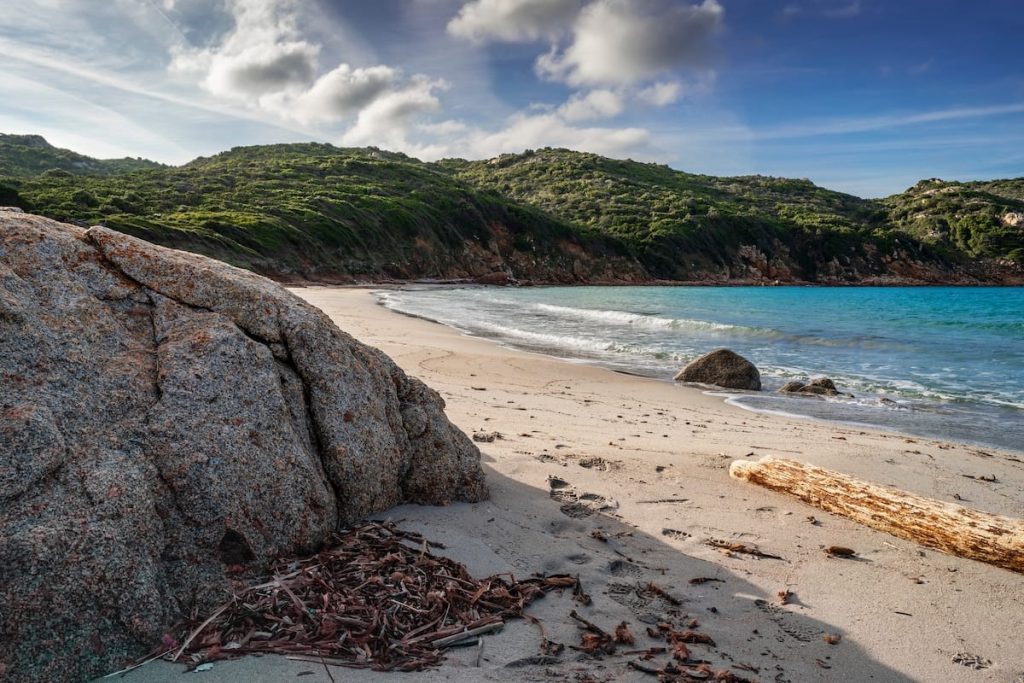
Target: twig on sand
(663, 500)
(740, 548)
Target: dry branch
(947, 527)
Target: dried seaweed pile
(378, 599)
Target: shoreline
(789, 404)
(646, 491)
(896, 283)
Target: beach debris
(623, 635)
(595, 640)
(377, 599)
(944, 526)
(813, 520)
(696, 581)
(487, 437)
(663, 594)
(675, 533)
(658, 501)
(737, 547)
(971, 661)
(832, 638)
(203, 668)
(990, 478)
(784, 596)
(840, 551)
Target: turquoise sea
(949, 361)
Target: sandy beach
(640, 468)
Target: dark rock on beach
(722, 368)
(164, 416)
(822, 386)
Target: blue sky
(864, 96)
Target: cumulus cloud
(265, 62)
(263, 55)
(513, 20)
(661, 94)
(596, 104)
(621, 42)
(386, 120)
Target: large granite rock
(722, 368)
(163, 415)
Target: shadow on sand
(523, 530)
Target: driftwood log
(947, 527)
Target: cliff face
(164, 416)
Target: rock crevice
(162, 415)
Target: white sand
(903, 611)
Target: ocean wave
(643, 320)
(563, 343)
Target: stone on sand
(722, 368)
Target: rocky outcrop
(821, 386)
(722, 368)
(164, 416)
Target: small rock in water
(821, 386)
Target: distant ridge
(30, 155)
(319, 212)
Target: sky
(862, 96)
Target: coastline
(646, 462)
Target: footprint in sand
(577, 505)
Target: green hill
(30, 155)
(686, 226)
(318, 211)
(977, 219)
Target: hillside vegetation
(30, 155)
(318, 211)
(686, 226)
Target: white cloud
(622, 42)
(661, 94)
(265, 62)
(596, 104)
(262, 55)
(385, 121)
(513, 20)
(340, 93)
